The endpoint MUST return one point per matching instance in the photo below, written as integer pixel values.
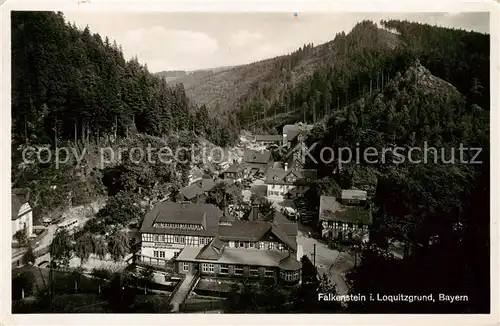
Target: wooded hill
(69, 84)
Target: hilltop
(232, 88)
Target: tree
(120, 209)
(100, 247)
(61, 248)
(267, 210)
(84, 247)
(21, 237)
(146, 276)
(118, 245)
(29, 256)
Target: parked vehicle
(68, 225)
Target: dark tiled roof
(234, 168)
(212, 251)
(244, 231)
(209, 253)
(280, 234)
(291, 131)
(290, 263)
(207, 184)
(191, 191)
(186, 213)
(290, 229)
(331, 210)
(275, 138)
(252, 156)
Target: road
(325, 258)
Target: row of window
(262, 245)
(178, 239)
(290, 276)
(158, 254)
(178, 226)
(345, 226)
(238, 270)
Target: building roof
(292, 131)
(331, 210)
(244, 230)
(207, 184)
(191, 191)
(234, 168)
(273, 138)
(19, 196)
(291, 176)
(206, 215)
(290, 263)
(353, 194)
(212, 251)
(237, 256)
(259, 157)
(288, 240)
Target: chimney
(286, 166)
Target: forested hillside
(72, 88)
(70, 84)
(433, 91)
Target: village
(199, 249)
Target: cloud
(244, 38)
(161, 47)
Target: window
(252, 245)
(281, 247)
(185, 267)
(272, 246)
(176, 239)
(156, 237)
(176, 254)
(207, 268)
(224, 269)
(269, 272)
(290, 276)
(254, 272)
(162, 238)
(162, 254)
(238, 270)
(155, 254)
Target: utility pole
(314, 255)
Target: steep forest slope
(236, 87)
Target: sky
(190, 41)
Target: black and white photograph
(289, 162)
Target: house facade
(288, 183)
(170, 227)
(234, 171)
(203, 241)
(257, 162)
(22, 213)
(345, 219)
(246, 249)
(293, 134)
